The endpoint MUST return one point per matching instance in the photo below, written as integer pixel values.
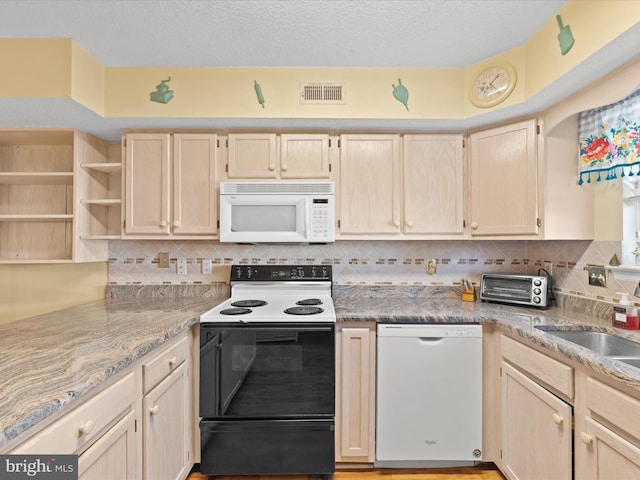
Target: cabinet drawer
(555, 374)
(614, 406)
(82, 426)
(162, 364)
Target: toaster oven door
(511, 290)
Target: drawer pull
(85, 428)
(557, 419)
(154, 410)
(172, 361)
(586, 438)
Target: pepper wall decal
(162, 93)
(401, 94)
(259, 94)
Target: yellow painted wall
(27, 290)
(61, 68)
(229, 92)
(87, 79)
(36, 68)
(593, 24)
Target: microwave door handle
(307, 218)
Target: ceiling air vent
(322, 93)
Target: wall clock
(492, 85)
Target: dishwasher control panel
(430, 330)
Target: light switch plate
(206, 266)
(181, 266)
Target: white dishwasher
(429, 395)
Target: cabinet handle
(272, 168)
(586, 438)
(474, 225)
(283, 168)
(163, 224)
(409, 224)
(172, 361)
(154, 410)
(557, 419)
(85, 428)
(176, 223)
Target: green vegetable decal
(565, 37)
(401, 94)
(162, 93)
(259, 94)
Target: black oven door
(267, 371)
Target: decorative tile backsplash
(375, 262)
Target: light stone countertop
(51, 360)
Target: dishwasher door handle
(430, 339)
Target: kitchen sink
(633, 361)
(603, 343)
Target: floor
(483, 472)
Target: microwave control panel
(322, 227)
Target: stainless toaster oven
(532, 290)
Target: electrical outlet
(597, 276)
(431, 267)
(163, 260)
(207, 266)
(181, 266)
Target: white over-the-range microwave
(277, 212)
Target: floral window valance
(609, 142)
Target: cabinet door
(113, 455)
(195, 193)
(504, 180)
(355, 393)
(608, 456)
(369, 184)
(165, 428)
(304, 156)
(433, 184)
(147, 184)
(536, 430)
(252, 155)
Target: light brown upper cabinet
(503, 180)
(171, 185)
(409, 187)
(433, 187)
(268, 156)
(369, 187)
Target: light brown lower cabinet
(355, 392)
(563, 420)
(536, 430)
(113, 455)
(165, 425)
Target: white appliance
(429, 395)
(277, 212)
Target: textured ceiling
(283, 33)
(291, 33)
